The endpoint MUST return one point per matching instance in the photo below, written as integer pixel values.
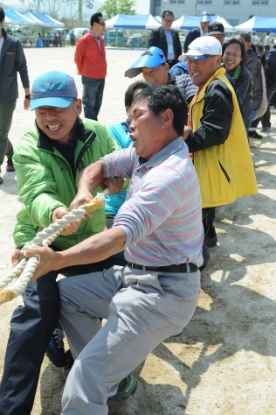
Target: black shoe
(55, 351)
(254, 134)
(10, 166)
(206, 257)
(210, 238)
(69, 363)
(127, 387)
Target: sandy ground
(225, 360)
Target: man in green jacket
(48, 162)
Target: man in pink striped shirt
(160, 228)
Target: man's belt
(190, 267)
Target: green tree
(112, 7)
(52, 6)
(125, 7)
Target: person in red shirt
(91, 65)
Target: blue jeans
(92, 96)
(32, 326)
(253, 114)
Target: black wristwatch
(28, 96)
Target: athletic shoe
(1, 180)
(254, 134)
(127, 387)
(55, 351)
(177, 333)
(10, 166)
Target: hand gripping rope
(25, 268)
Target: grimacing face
(201, 71)
(146, 128)
(156, 76)
(57, 123)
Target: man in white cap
(216, 134)
(205, 20)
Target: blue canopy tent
(227, 26)
(13, 17)
(124, 21)
(186, 23)
(258, 24)
(43, 19)
(33, 19)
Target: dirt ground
(224, 363)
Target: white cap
(203, 47)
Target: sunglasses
(102, 23)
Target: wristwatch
(28, 96)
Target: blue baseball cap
(152, 58)
(53, 89)
(205, 17)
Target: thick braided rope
(26, 268)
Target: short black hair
(163, 97)
(132, 88)
(2, 15)
(95, 18)
(167, 12)
(237, 41)
(247, 36)
(260, 47)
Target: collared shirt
(202, 33)
(171, 54)
(1, 43)
(97, 39)
(162, 215)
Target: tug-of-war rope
(44, 238)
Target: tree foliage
(52, 7)
(112, 7)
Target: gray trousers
(6, 111)
(142, 309)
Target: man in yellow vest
(216, 134)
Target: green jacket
(46, 181)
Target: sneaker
(127, 387)
(254, 134)
(10, 166)
(69, 363)
(55, 350)
(177, 333)
(1, 180)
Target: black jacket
(192, 35)
(270, 68)
(254, 66)
(158, 38)
(12, 60)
